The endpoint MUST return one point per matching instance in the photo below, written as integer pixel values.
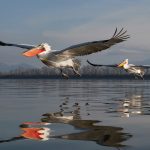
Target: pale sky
(63, 23)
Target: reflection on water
(102, 135)
(110, 136)
(129, 106)
(33, 133)
(109, 113)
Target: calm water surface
(74, 114)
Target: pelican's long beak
(121, 64)
(33, 52)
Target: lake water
(74, 114)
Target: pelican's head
(40, 49)
(123, 63)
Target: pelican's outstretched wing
(100, 65)
(115, 65)
(92, 47)
(25, 46)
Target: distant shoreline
(113, 77)
(87, 72)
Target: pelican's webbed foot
(76, 72)
(141, 76)
(135, 76)
(64, 75)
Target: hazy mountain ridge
(7, 68)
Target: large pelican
(137, 71)
(66, 58)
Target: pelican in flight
(137, 71)
(65, 58)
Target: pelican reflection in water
(130, 105)
(85, 130)
(40, 133)
(103, 135)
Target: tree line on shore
(86, 71)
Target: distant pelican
(137, 71)
(66, 58)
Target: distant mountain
(23, 66)
(143, 62)
(6, 68)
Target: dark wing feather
(25, 46)
(100, 65)
(92, 47)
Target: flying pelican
(137, 71)
(66, 58)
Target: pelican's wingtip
(2, 43)
(120, 34)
